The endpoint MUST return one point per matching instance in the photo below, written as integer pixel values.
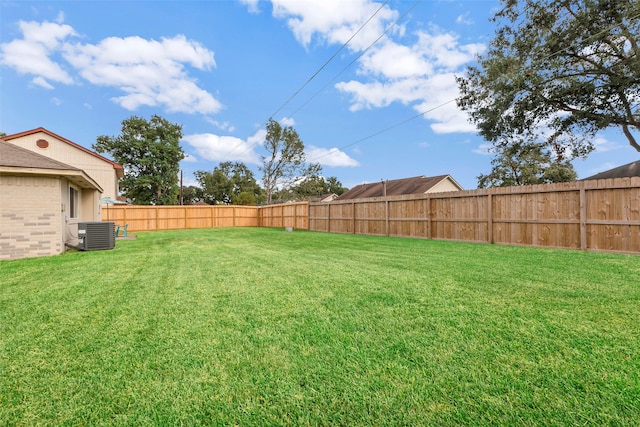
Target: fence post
(386, 217)
(583, 218)
(428, 212)
(354, 216)
(489, 218)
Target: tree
(227, 181)
(285, 162)
(191, 195)
(336, 186)
(150, 153)
(245, 198)
(520, 163)
(316, 185)
(560, 69)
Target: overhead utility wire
(447, 102)
(355, 59)
(329, 60)
(345, 44)
(383, 130)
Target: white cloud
(40, 81)
(56, 101)
(225, 126)
(252, 5)
(485, 149)
(602, 145)
(329, 157)
(418, 72)
(440, 107)
(188, 158)
(147, 72)
(406, 62)
(223, 148)
(465, 19)
(287, 121)
(334, 21)
(32, 54)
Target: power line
(345, 44)
(329, 60)
(356, 58)
(386, 129)
(449, 101)
(345, 68)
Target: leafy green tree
(216, 186)
(227, 181)
(335, 186)
(520, 163)
(561, 69)
(191, 195)
(316, 185)
(150, 153)
(285, 162)
(245, 198)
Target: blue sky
(222, 68)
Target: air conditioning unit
(95, 236)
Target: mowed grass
(246, 326)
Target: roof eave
(77, 176)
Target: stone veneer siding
(30, 218)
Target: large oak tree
(558, 71)
(230, 183)
(150, 152)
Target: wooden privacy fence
(151, 218)
(588, 215)
(294, 215)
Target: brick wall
(30, 219)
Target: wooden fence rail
(599, 215)
(590, 215)
(153, 218)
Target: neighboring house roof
(398, 187)
(16, 160)
(323, 198)
(624, 171)
(119, 169)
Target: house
(104, 171)
(625, 171)
(398, 187)
(324, 198)
(43, 197)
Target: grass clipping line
(255, 326)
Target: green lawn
(246, 326)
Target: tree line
(150, 152)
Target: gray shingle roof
(395, 187)
(624, 171)
(13, 156)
